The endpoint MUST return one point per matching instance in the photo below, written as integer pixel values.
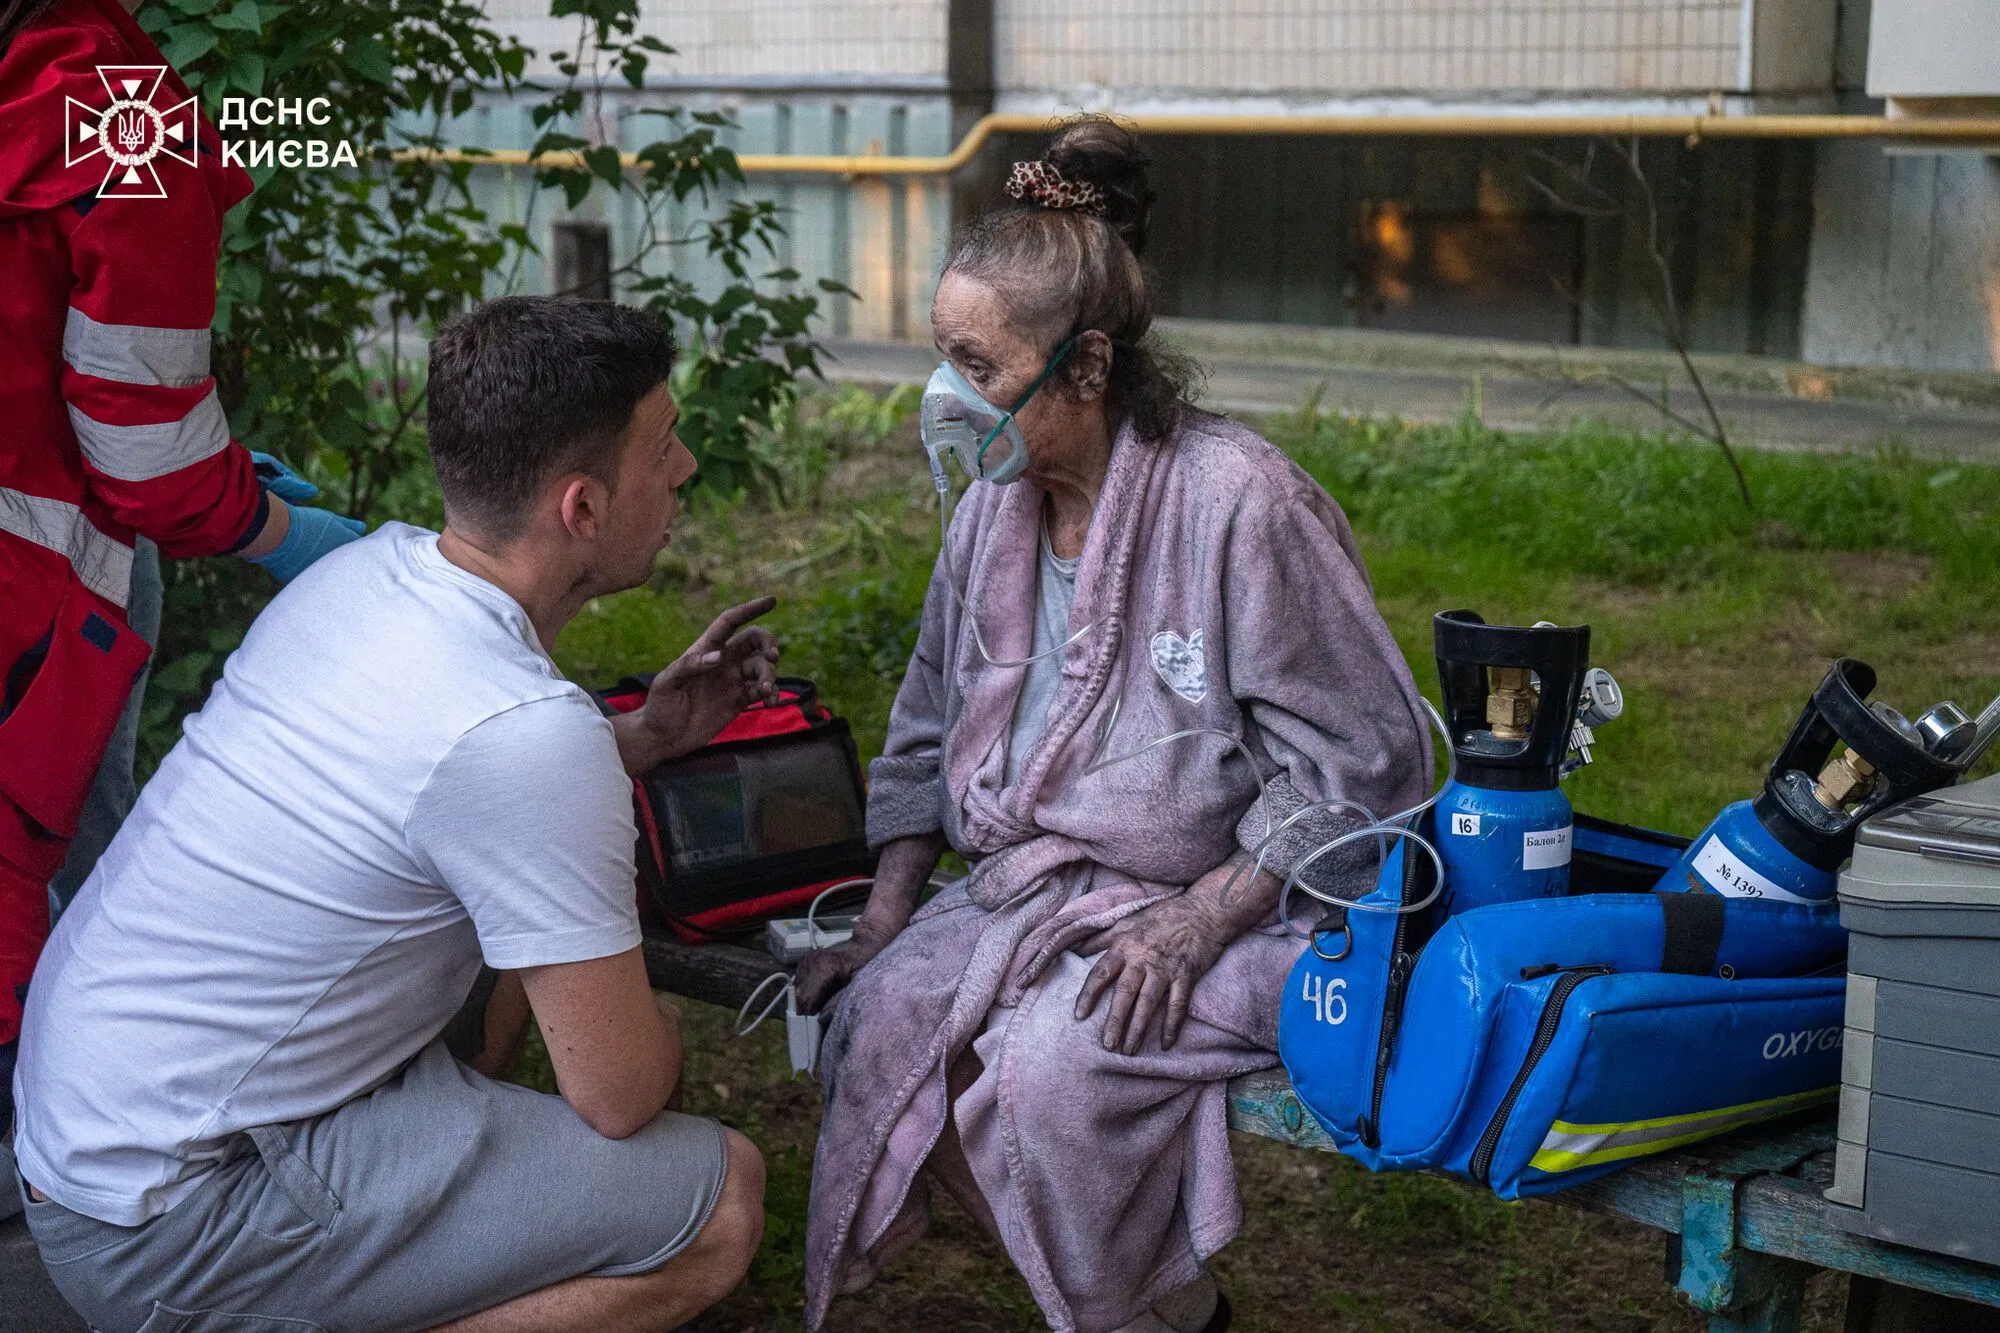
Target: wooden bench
(1744, 1217)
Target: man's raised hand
(731, 666)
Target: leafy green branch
(329, 280)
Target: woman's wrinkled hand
(824, 973)
(1150, 964)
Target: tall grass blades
(1634, 509)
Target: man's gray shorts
(439, 1194)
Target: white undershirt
(1055, 595)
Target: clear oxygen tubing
(1293, 881)
(943, 485)
(1381, 829)
(1097, 762)
(1401, 827)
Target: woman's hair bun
(1099, 151)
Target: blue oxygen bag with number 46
(1534, 1043)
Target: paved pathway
(1519, 396)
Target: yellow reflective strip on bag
(1569, 1146)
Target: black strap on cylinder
(1693, 934)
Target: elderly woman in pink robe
(1049, 1038)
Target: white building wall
(1935, 48)
(1905, 254)
(763, 40)
(1110, 51)
(1905, 259)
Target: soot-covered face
(976, 332)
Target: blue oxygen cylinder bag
(1536, 1043)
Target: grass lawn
(1717, 623)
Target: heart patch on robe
(1181, 664)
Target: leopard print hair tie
(1040, 184)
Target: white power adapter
(802, 1031)
(791, 938)
(802, 1034)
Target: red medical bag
(754, 824)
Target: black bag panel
(752, 818)
(1609, 857)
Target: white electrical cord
(812, 930)
(802, 1031)
(776, 1000)
(812, 927)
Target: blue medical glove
(313, 533)
(277, 478)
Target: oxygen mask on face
(986, 440)
(957, 420)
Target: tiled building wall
(1208, 47)
(1424, 47)
(897, 40)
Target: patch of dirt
(1885, 574)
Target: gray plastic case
(1918, 1155)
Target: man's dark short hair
(527, 388)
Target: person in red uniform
(110, 432)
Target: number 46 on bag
(1331, 1008)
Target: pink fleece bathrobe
(1227, 593)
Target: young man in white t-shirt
(233, 1096)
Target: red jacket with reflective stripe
(109, 425)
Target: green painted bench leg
(1770, 1294)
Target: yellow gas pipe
(1957, 132)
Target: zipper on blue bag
(1480, 1167)
(1400, 967)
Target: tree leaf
(187, 43)
(369, 58)
(553, 142)
(246, 71)
(604, 161)
(245, 17)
